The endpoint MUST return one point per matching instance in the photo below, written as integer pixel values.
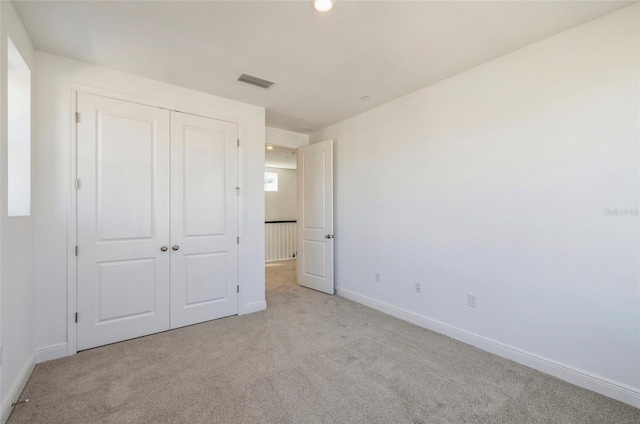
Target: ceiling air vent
(255, 81)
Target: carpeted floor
(309, 358)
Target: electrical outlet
(378, 277)
(472, 300)
(418, 287)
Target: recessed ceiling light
(323, 5)
(269, 147)
(363, 98)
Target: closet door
(204, 227)
(123, 200)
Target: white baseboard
(585, 379)
(248, 308)
(52, 352)
(17, 388)
(280, 260)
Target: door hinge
(77, 184)
(238, 142)
(238, 240)
(77, 117)
(76, 250)
(76, 317)
(238, 289)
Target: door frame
(72, 211)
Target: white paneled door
(315, 216)
(204, 229)
(156, 214)
(123, 220)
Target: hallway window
(270, 181)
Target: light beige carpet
(309, 358)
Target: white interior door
(315, 216)
(204, 227)
(122, 220)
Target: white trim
(71, 227)
(74, 89)
(249, 308)
(585, 379)
(284, 138)
(16, 390)
(171, 106)
(50, 353)
(239, 209)
(280, 260)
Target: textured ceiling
(322, 63)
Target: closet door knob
(164, 248)
(176, 247)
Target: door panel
(314, 253)
(123, 220)
(124, 184)
(204, 224)
(314, 163)
(205, 274)
(315, 212)
(117, 297)
(204, 181)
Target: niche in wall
(19, 133)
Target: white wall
(284, 138)
(282, 205)
(495, 182)
(52, 156)
(16, 244)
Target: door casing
(72, 233)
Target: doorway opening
(281, 206)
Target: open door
(315, 216)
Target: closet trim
(72, 211)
